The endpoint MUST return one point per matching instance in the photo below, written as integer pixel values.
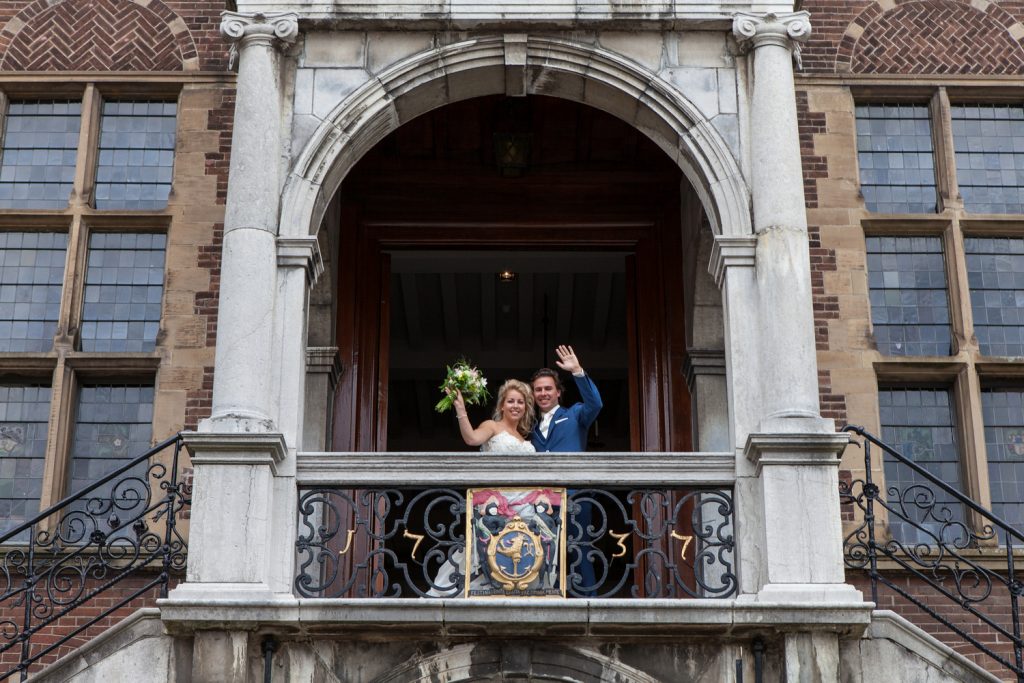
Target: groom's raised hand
(567, 360)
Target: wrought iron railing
(936, 534)
(619, 542)
(123, 526)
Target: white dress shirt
(545, 421)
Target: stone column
(242, 385)
(788, 373)
(787, 455)
(241, 535)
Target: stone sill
(504, 617)
(489, 469)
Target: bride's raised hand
(460, 405)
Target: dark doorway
(447, 304)
(584, 209)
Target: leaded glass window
(995, 274)
(40, 145)
(123, 289)
(989, 144)
(24, 415)
(136, 155)
(1003, 414)
(31, 276)
(894, 151)
(113, 425)
(918, 423)
(909, 302)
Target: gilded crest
(515, 539)
(515, 555)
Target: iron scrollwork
(122, 526)
(928, 537)
(389, 542)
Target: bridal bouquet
(467, 379)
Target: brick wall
(916, 37)
(111, 35)
(51, 633)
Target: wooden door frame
(659, 403)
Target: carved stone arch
(521, 661)
(488, 66)
(97, 35)
(933, 36)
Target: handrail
(969, 502)
(67, 500)
(88, 549)
(937, 560)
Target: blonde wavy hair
(526, 421)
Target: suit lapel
(554, 418)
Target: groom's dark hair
(547, 372)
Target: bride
(511, 423)
(505, 433)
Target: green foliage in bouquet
(465, 378)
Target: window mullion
(88, 137)
(68, 327)
(945, 161)
(961, 318)
(55, 471)
(972, 433)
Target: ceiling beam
(449, 310)
(411, 307)
(563, 317)
(526, 312)
(487, 312)
(602, 309)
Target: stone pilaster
(243, 381)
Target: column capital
(784, 29)
(731, 251)
(301, 252)
(237, 26)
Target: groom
(564, 430)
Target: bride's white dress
(504, 442)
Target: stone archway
(521, 661)
(516, 65)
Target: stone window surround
(63, 367)
(966, 371)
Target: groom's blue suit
(568, 430)
(567, 433)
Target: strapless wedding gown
(503, 442)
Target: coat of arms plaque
(516, 542)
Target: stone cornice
(521, 617)
(703, 362)
(809, 449)
(301, 252)
(220, 448)
(729, 252)
(784, 29)
(487, 469)
(324, 360)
